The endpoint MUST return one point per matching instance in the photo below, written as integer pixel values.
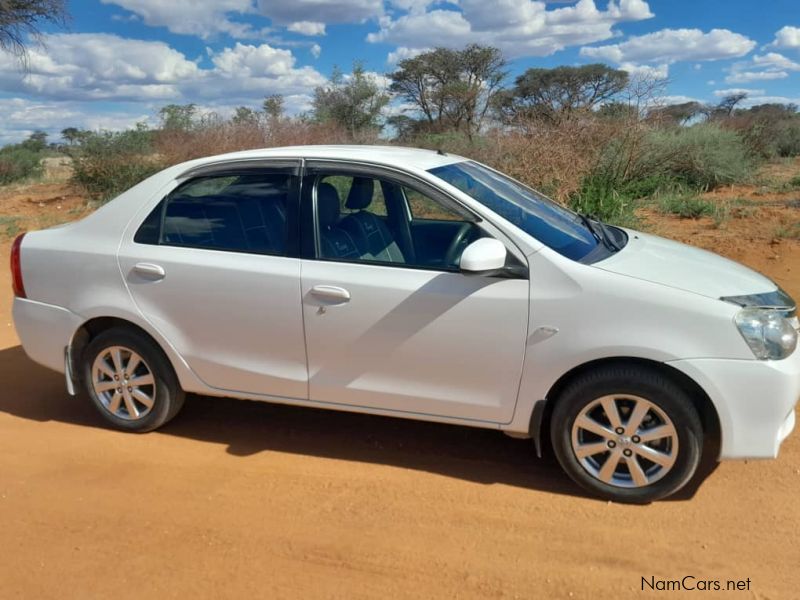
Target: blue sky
(120, 60)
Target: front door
(390, 321)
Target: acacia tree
(728, 104)
(178, 116)
(451, 89)
(244, 116)
(354, 102)
(20, 19)
(72, 135)
(273, 106)
(561, 93)
(678, 114)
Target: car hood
(677, 265)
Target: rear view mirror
(483, 256)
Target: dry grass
(552, 158)
(220, 137)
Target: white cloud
(403, 53)
(756, 100)
(646, 71)
(415, 6)
(669, 100)
(98, 66)
(21, 117)
(518, 27)
(322, 11)
(749, 76)
(735, 91)
(773, 60)
(787, 37)
(107, 67)
(202, 18)
(671, 45)
(316, 50)
(764, 67)
(307, 27)
(244, 60)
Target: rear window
(239, 213)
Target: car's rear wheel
(130, 381)
(627, 433)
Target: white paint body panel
(671, 263)
(235, 318)
(421, 344)
(416, 341)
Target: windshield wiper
(609, 238)
(588, 224)
(603, 235)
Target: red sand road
(241, 499)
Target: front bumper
(755, 401)
(45, 331)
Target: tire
(583, 449)
(142, 406)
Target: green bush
(790, 231)
(108, 163)
(703, 156)
(787, 140)
(795, 181)
(685, 205)
(18, 163)
(600, 198)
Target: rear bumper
(755, 401)
(45, 331)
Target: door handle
(149, 270)
(331, 292)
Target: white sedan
(416, 284)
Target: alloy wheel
(625, 441)
(124, 383)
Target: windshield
(551, 224)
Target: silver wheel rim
(124, 383)
(625, 441)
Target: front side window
(541, 218)
(372, 219)
(235, 212)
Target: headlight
(770, 335)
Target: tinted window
(366, 219)
(344, 187)
(243, 213)
(543, 219)
(150, 230)
(423, 207)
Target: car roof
(395, 156)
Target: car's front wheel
(130, 381)
(627, 433)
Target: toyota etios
(415, 284)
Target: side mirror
(483, 256)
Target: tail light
(16, 268)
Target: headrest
(360, 194)
(327, 205)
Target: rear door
(214, 269)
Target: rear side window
(240, 213)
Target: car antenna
(441, 152)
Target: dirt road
(238, 499)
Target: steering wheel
(459, 243)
